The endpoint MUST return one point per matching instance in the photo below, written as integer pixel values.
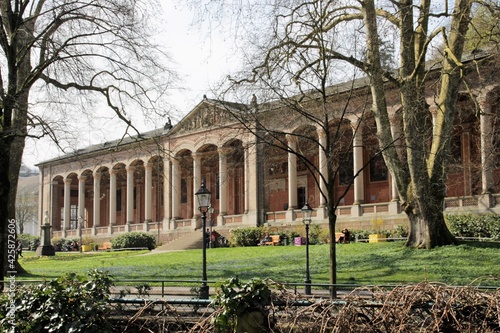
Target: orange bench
(275, 240)
(106, 246)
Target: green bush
(29, 242)
(475, 225)
(63, 244)
(247, 236)
(244, 306)
(314, 234)
(134, 239)
(66, 304)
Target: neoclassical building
(148, 183)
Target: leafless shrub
(425, 308)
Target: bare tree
(26, 205)
(70, 51)
(307, 44)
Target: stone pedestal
(45, 248)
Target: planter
(375, 238)
(86, 248)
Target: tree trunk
(4, 207)
(427, 226)
(332, 221)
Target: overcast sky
(200, 60)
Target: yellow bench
(275, 240)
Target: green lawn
(359, 263)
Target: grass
(357, 263)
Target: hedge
(133, 240)
(475, 225)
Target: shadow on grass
(480, 245)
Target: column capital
(196, 156)
(320, 132)
(291, 138)
(130, 168)
(223, 150)
(68, 181)
(82, 178)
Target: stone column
(130, 194)
(81, 218)
(394, 206)
(359, 184)
(55, 210)
(487, 152)
(176, 190)
(292, 172)
(148, 169)
(97, 199)
(67, 204)
(251, 183)
(112, 199)
(167, 194)
(292, 177)
(323, 166)
(196, 181)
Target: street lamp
(306, 219)
(204, 196)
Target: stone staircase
(186, 241)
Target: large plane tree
(362, 35)
(310, 42)
(57, 57)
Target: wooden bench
(106, 246)
(275, 240)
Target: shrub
(134, 239)
(314, 234)
(475, 225)
(244, 307)
(30, 242)
(64, 244)
(247, 236)
(66, 304)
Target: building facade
(148, 183)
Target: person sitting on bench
(266, 239)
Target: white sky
(201, 60)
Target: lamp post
(306, 219)
(204, 196)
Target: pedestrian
(19, 249)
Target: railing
(179, 224)
(231, 219)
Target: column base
(485, 201)
(45, 250)
(356, 210)
(394, 207)
(290, 215)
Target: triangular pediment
(208, 114)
